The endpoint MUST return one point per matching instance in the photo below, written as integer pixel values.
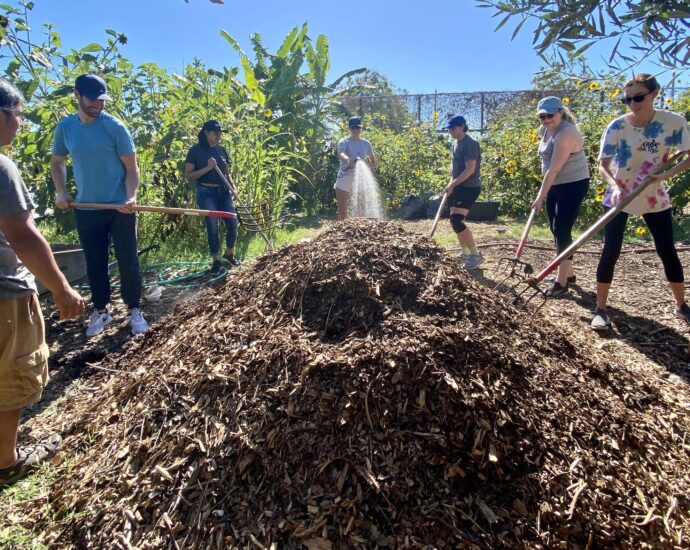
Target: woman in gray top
(565, 180)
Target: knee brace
(456, 222)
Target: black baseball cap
(91, 86)
(212, 126)
(354, 122)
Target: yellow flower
(435, 117)
(566, 101)
(579, 84)
(669, 101)
(599, 197)
(614, 93)
(594, 86)
(268, 113)
(641, 230)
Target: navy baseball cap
(91, 86)
(455, 121)
(212, 126)
(549, 105)
(354, 122)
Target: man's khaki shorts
(344, 181)
(23, 353)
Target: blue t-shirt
(96, 149)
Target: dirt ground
(646, 335)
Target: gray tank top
(574, 169)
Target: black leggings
(562, 205)
(660, 225)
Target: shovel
(532, 283)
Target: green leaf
(93, 47)
(288, 43)
(234, 43)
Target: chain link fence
(478, 108)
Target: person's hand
(661, 176)
(538, 203)
(126, 208)
(449, 189)
(69, 303)
(62, 200)
(211, 164)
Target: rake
(515, 267)
(531, 288)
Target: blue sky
(442, 45)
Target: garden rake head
(515, 267)
(528, 291)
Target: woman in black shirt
(211, 191)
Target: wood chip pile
(359, 391)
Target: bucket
(71, 261)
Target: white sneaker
(473, 261)
(137, 322)
(98, 322)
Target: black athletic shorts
(464, 197)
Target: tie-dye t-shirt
(637, 152)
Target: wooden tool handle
(159, 209)
(438, 215)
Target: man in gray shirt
(23, 351)
(464, 188)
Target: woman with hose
(565, 180)
(633, 148)
(211, 191)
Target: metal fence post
(481, 112)
(419, 108)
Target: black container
(483, 211)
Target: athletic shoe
(137, 322)
(463, 257)
(572, 279)
(601, 320)
(216, 266)
(98, 322)
(683, 312)
(474, 261)
(28, 458)
(557, 290)
(231, 261)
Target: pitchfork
(515, 266)
(531, 285)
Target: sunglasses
(546, 116)
(639, 98)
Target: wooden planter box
(483, 211)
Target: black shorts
(464, 197)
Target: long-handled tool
(438, 215)
(159, 209)
(532, 283)
(247, 211)
(515, 264)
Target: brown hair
(647, 80)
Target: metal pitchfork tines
(531, 285)
(515, 267)
(252, 217)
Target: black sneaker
(572, 279)
(601, 320)
(557, 290)
(231, 261)
(683, 312)
(216, 266)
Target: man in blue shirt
(105, 170)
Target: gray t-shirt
(15, 280)
(354, 148)
(574, 169)
(464, 150)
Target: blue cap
(455, 121)
(91, 86)
(354, 122)
(549, 105)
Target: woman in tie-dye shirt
(633, 147)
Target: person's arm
(675, 170)
(605, 172)
(192, 174)
(566, 142)
(58, 171)
(34, 252)
(131, 181)
(466, 174)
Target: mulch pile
(361, 390)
